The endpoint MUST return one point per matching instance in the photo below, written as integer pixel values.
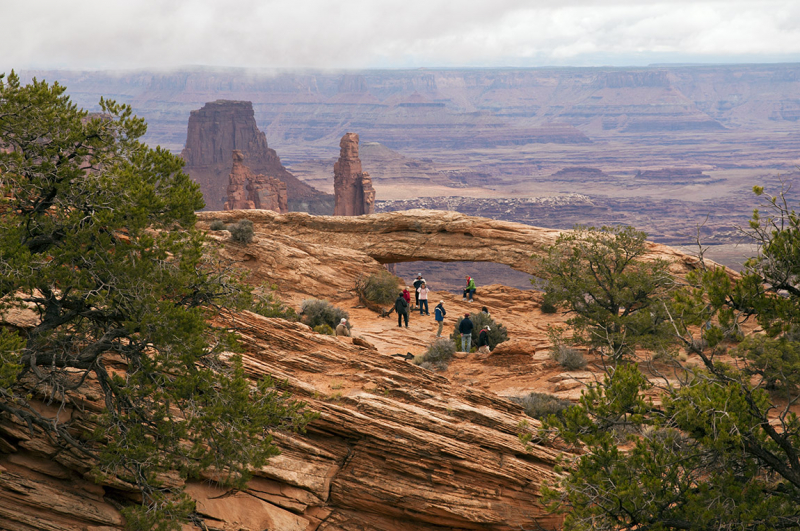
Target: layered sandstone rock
(352, 186)
(433, 235)
(248, 191)
(395, 447)
(221, 127)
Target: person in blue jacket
(438, 314)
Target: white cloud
(390, 33)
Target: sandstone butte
(396, 446)
(219, 128)
(352, 187)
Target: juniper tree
(97, 238)
(598, 276)
(714, 445)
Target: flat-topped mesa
(247, 191)
(352, 187)
(219, 128)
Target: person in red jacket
(407, 294)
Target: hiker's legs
(423, 306)
(439, 333)
(405, 317)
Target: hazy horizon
(395, 35)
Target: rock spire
(246, 190)
(352, 187)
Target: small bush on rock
(242, 231)
(379, 287)
(315, 312)
(541, 405)
(217, 224)
(568, 357)
(269, 306)
(438, 355)
(324, 329)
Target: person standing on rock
(470, 289)
(342, 329)
(417, 284)
(401, 307)
(438, 315)
(407, 295)
(483, 340)
(422, 292)
(465, 329)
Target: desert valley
(444, 172)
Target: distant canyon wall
(460, 109)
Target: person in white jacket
(423, 291)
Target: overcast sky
(111, 34)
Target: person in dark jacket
(417, 284)
(483, 339)
(401, 307)
(438, 314)
(465, 329)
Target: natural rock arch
(425, 235)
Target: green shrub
(381, 287)
(242, 231)
(548, 306)
(315, 312)
(217, 224)
(480, 320)
(541, 405)
(568, 357)
(438, 355)
(269, 306)
(324, 329)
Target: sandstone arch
(424, 235)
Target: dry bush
(315, 312)
(438, 355)
(541, 405)
(242, 231)
(568, 357)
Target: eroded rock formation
(219, 128)
(352, 186)
(395, 447)
(434, 235)
(248, 191)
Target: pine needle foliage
(98, 238)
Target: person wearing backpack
(438, 315)
(483, 340)
(401, 307)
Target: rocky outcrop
(221, 127)
(352, 186)
(395, 447)
(419, 235)
(248, 191)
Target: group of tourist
(403, 306)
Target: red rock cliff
(248, 191)
(352, 187)
(214, 132)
